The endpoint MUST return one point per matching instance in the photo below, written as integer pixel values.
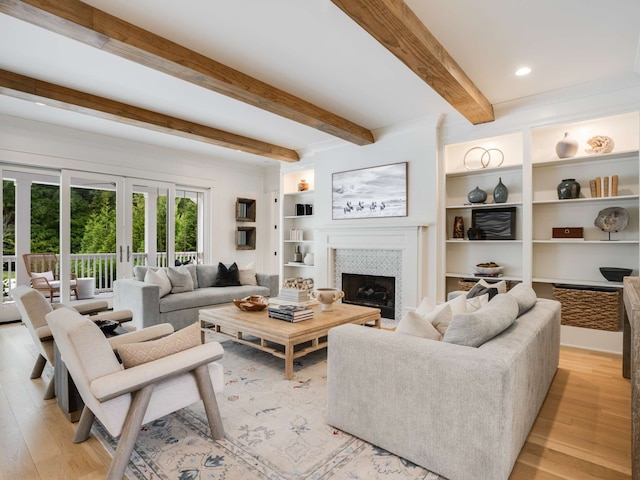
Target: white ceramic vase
(326, 297)
(308, 259)
(567, 147)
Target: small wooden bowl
(253, 303)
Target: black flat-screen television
(493, 223)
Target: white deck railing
(101, 266)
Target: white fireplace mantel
(410, 240)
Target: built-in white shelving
(532, 171)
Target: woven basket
(598, 309)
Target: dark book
(289, 318)
(291, 310)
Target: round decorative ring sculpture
(486, 159)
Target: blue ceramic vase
(500, 193)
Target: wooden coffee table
(268, 334)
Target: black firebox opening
(370, 291)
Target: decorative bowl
(252, 303)
(615, 274)
(107, 326)
(488, 269)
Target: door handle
(121, 253)
(128, 253)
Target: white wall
(415, 143)
(41, 145)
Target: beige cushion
(426, 326)
(159, 277)
(248, 274)
(181, 279)
(133, 354)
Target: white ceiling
(313, 50)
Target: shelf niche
(246, 238)
(245, 210)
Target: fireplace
(370, 291)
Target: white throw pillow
(501, 286)
(426, 305)
(248, 274)
(159, 277)
(48, 275)
(476, 303)
(181, 279)
(424, 326)
(458, 304)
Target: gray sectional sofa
(181, 309)
(460, 411)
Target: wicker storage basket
(599, 309)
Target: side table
(86, 287)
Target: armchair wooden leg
(38, 367)
(132, 424)
(84, 425)
(51, 389)
(210, 403)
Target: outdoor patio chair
(42, 268)
(124, 399)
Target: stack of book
(290, 313)
(294, 295)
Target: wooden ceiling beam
(27, 88)
(400, 31)
(94, 27)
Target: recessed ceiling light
(41, 104)
(523, 71)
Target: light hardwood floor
(582, 432)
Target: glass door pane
(92, 233)
(188, 226)
(149, 208)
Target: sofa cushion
(133, 354)
(501, 285)
(475, 328)
(181, 279)
(205, 297)
(206, 275)
(159, 277)
(139, 271)
(428, 325)
(248, 274)
(479, 289)
(227, 276)
(191, 268)
(525, 295)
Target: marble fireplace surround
(398, 251)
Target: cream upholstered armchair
(33, 307)
(42, 268)
(124, 399)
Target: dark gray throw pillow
(478, 290)
(227, 277)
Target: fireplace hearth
(370, 291)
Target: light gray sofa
(181, 309)
(459, 411)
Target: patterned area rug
(275, 430)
